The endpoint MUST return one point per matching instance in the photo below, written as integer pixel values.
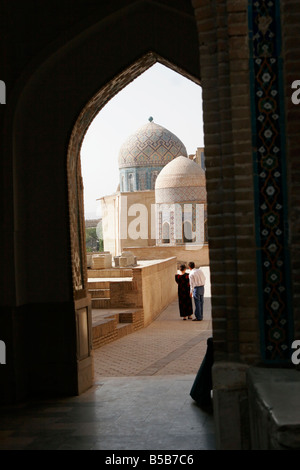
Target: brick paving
(168, 346)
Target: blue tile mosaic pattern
(269, 181)
(150, 147)
(138, 179)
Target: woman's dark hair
(182, 267)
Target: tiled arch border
(269, 168)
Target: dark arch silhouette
(49, 111)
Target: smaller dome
(180, 180)
(180, 172)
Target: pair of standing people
(190, 286)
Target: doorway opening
(100, 173)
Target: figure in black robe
(184, 298)
(202, 386)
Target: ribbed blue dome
(150, 146)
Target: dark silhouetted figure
(184, 299)
(202, 386)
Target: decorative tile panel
(270, 185)
(177, 195)
(143, 179)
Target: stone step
(124, 329)
(106, 324)
(109, 325)
(100, 293)
(129, 317)
(100, 303)
(113, 272)
(98, 284)
(104, 331)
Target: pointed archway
(56, 99)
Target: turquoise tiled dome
(150, 146)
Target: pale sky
(172, 100)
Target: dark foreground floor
(132, 413)
(140, 399)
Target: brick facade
(224, 57)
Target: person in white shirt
(197, 282)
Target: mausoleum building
(160, 204)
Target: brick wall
(152, 288)
(224, 57)
(158, 286)
(199, 256)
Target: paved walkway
(140, 399)
(168, 346)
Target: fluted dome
(180, 180)
(150, 146)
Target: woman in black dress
(184, 299)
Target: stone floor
(168, 346)
(140, 399)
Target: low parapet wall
(159, 288)
(183, 253)
(152, 288)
